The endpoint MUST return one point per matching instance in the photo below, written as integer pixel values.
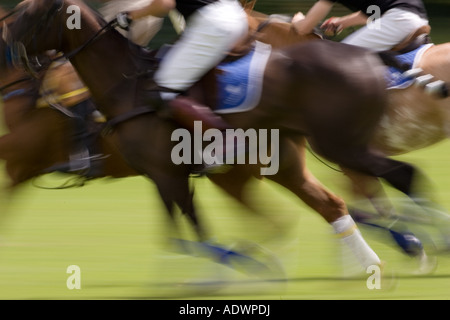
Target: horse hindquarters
(341, 102)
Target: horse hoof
(427, 265)
(388, 277)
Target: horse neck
(102, 65)
(276, 33)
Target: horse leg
(175, 192)
(235, 182)
(401, 175)
(294, 176)
(370, 187)
(203, 246)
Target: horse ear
(248, 4)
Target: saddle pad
(395, 78)
(239, 82)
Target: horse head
(13, 52)
(19, 83)
(32, 18)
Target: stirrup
(214, 168)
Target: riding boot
(186, 112)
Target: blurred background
(115, 230)
(437, 9)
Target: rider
(396, 20)
(212, 28)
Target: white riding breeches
(387, 31)
(209, 34)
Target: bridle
(17, 48)
(17, 92)
(44, 22)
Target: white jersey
(387, 31)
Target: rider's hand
(297, 17)
(123, 20)
(332, 27)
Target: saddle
(414, 40)
(205, 90)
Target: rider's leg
(211, 32)
(384, 33)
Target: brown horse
(41, 138)
(339, 125)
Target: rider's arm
(157, 8)
(353, 19)
(316, 14)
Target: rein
(8, 15)
(95, 37)
(14, 83)
(111, 123)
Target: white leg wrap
(346, 228)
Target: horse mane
(3, 13)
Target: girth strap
(110, 124)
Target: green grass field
(115, 231)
